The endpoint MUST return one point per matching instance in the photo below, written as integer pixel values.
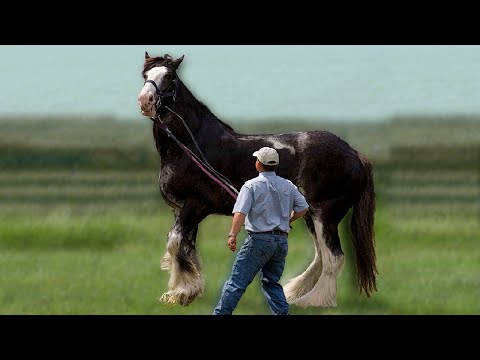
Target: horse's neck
(203, 124)
(195, 115)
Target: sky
(247, 83)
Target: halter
(161, 96)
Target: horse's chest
(171, 180)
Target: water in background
(247, 83)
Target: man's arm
(297, 215)
(237, 222)
(299, 203)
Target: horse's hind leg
(182, 260)
(303, 283)
(325, 222)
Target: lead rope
(206, 163)
(205, 167)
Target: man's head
(268, 158)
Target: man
(267, 205)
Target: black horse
(332, 176)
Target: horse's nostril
(150, 98)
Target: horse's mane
(225, 124)
(205, 108)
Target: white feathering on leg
(184, 287)
(324, 292)
(302, 284)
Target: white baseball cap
(267, 156)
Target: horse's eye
(168, 76)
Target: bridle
(161, 96)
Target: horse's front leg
(181, 258)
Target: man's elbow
(301, 213)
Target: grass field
(83, 226)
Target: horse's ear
(176, 63)
(147, 56)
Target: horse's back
(317, 161)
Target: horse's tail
(363, 235)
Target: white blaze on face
(146, 98)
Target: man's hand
(232, 243)
(237, 222)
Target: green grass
(102, 257)
(83, 235)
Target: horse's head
(161, 82)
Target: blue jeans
(264, 253)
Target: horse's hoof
(167, 299)
(184, 300)
(171, 298)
